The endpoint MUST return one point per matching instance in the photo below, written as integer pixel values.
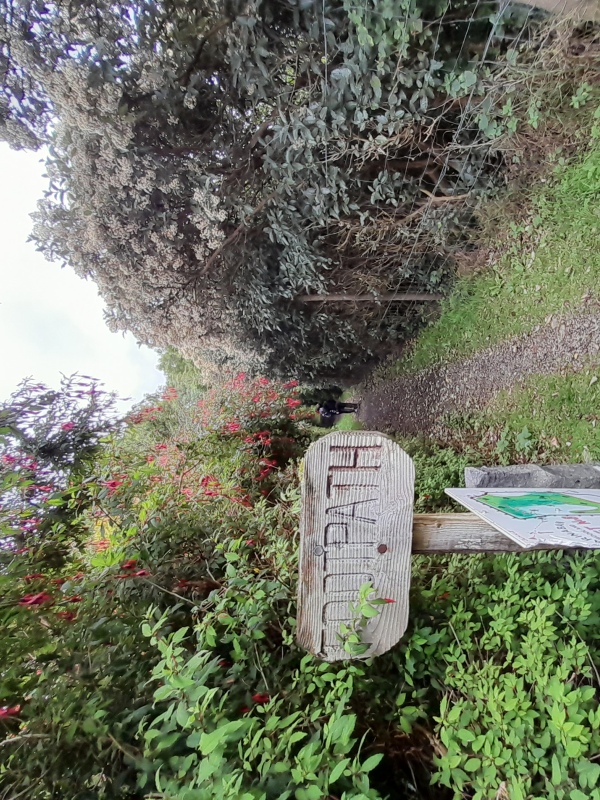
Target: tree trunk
(399, 297)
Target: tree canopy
(210, 163)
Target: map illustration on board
(540, 504)
(530, 517)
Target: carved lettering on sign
(356, 527)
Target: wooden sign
(356, 528)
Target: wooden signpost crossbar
(357, 528)
(461, 533)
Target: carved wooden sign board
(356, 527)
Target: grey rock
(533, 476)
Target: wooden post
(461, 533)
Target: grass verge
(550, 268)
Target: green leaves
(338, 770)
(228, 731)
(371, 762)
(556, 773)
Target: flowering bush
(158, 657)
(150, 527)
(45, 436)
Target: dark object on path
(330, 410)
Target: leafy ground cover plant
(158, 658)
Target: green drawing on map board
(540, 504)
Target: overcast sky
(50, 320)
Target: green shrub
(436, 469)
(161, 660)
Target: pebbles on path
(413, 404)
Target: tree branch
(240, 228)
(185, 78)
(433, 200)
(399, 297)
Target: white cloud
(51, 321)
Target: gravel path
(413, 404)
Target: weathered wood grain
(461, 533)
(356, 527)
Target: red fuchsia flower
(161, 447)
(209, 480)
(141, 573)
(100, 545)
(181, 585)
(256, 398)
(261, 698)
(43, 488)
(131, 563)
(69, 616)
(290, 385)
(9, 711)
(36, 599)
(75, 599)
(58, 581)
(250, 542)
(388, 600)
(8, 459)
(242, 501)
(149, 459)
(244, 710)
(187, 492)
(224, 663)
(211, 493)
(263, 381)
(113, 485)
(68, 426)
(292, 403)
(33, 577)
(233, 427)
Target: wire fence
(435, 228)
